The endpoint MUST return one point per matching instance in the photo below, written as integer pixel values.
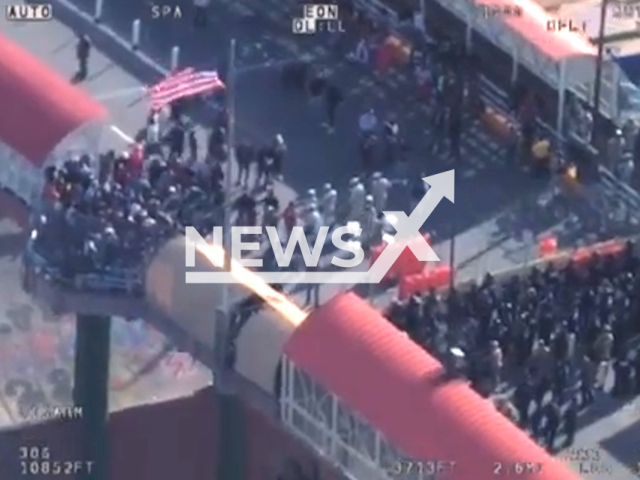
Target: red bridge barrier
(406, 264)
(605, 249)
(438, 277)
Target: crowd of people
(541, 344)
(101, 219)
(444, 78)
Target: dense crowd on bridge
(103, 218)
(105, 215)
(557, 334)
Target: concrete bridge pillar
(91, 391)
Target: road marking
(121, 134)
(120, 93)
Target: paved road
(613, 428)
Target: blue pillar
(91, 392)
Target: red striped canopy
(183, 84)
(351, 350)
(39, 107)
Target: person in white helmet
(328, 204)
(368, 223)
(357, 194)
(311, 198)
(380, 191)
(312, 223)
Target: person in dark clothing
(318, 85)
(542, 389)
(522, 401)
(560, 345)
(552, 416)
(295, 75)
(200, 18)
(623, 379)
(217, 143)
(244, 155)
(560, 380)
(313, 291)
(333, 98)
(367, 153)
(439, 128)
(265, 161)
(83, 50)
(193, 145)
(417, 190)
(586, 386)
(570, 423)
(391, 133)
(245, 205)
(176, 141)
(217, 176)
(271, 200)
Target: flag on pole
(185, 83)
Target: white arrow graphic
(408, 235)
(408, 228)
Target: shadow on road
(11, 244)
(623, 446)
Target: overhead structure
(193, 308)
(627, 54)
(401, 407)
(44, 119)
(562, 59)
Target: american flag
(185, 83)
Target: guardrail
(557, 260)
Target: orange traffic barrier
(582, 256)
(604, 249)
(406, 264)
(547, 246)
(422, 282)
(440, 277)
(610, 248)
(407, 287)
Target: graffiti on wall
(37, 358)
